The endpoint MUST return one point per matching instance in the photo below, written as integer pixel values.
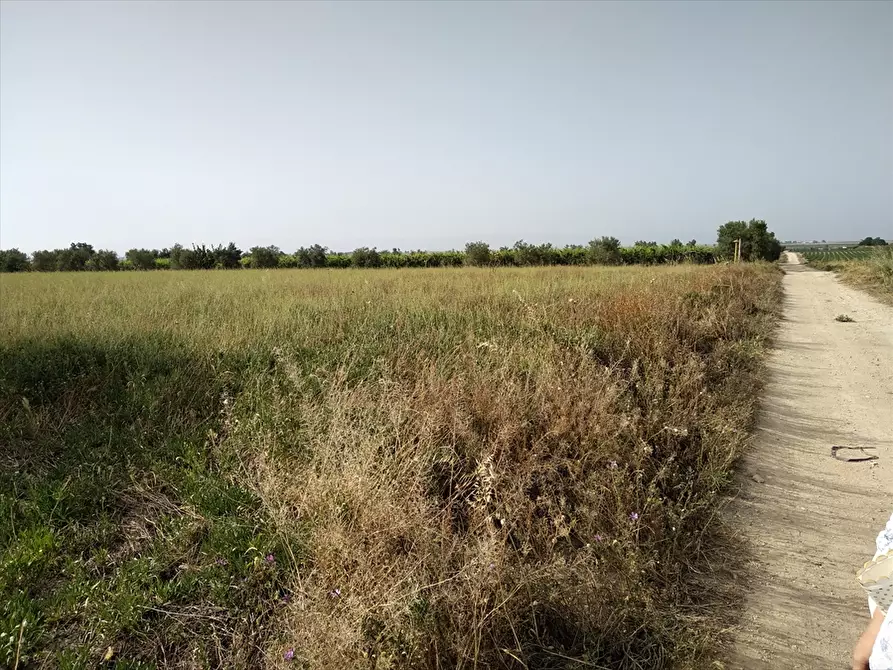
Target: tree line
(757, 243)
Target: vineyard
(840, 254)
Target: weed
(844, 318)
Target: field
(848, 254)
(869, 268)
(450, 468)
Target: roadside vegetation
(867, 267)
(519, 468)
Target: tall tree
(757, 241)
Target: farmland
(840, 254)
(464, 467)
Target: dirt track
(813, 519)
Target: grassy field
(517, 468)
(868, 268)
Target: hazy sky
(431, 124)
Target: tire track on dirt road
(812, 520)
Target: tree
(264, 257)
(13, 260)
(477, 253)
(226, 258)
(532, 254)
(604, 251)
(364, 257)
(873, 242)
(643, 243)
(75, 257)
(103, 260)
(141, 259)
(757, 241)
(181, 258)
(676, 242)
(692, 243)
(45, 260)
(312, 257)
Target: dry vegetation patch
(871, 269)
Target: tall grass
(871, 271)
(393, 469)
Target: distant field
(393, 469)
(801, 247)
(839, 254)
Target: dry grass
(459, 468)
(872, 272)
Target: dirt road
(812, 520)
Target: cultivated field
(848, 254)
(450, 468)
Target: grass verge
(390, 469)
(872, 273)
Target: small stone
(759, 479)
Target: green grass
(446, 468)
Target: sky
(427, 125)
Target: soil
(811, 520)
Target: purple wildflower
(599, 537)
(634, 516)
(335, 593)
(221, 561)
(270, 559)
(289, 655)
